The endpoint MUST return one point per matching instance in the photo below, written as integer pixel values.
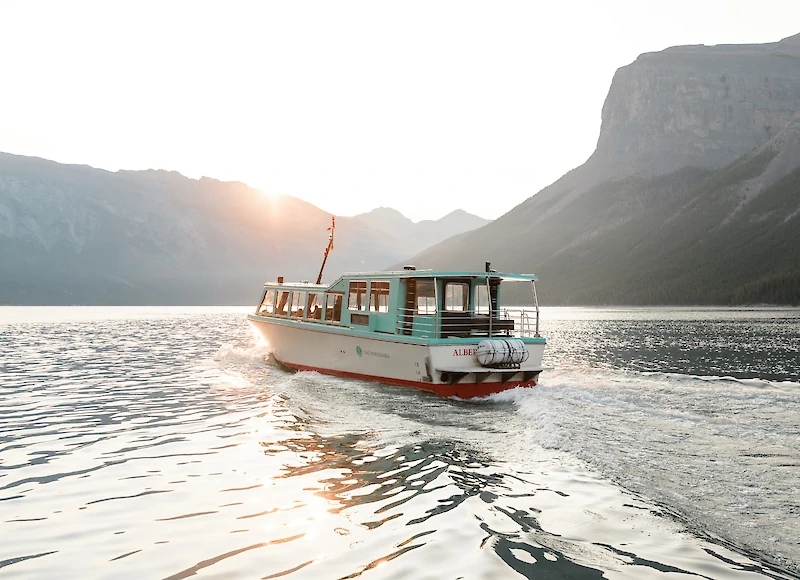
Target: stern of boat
(465, 371)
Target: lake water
(162, 443)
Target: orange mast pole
(328, 249)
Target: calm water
(159, 443)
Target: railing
(508, 322)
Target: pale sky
(422, 106)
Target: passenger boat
(444, 332)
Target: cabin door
(419, 314)
(410, 306)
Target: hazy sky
(421, 106)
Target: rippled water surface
(162, 443)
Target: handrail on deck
(503, 322)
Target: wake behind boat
(444, 332)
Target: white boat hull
(446, 368)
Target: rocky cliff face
(697, 105)
(691, 197)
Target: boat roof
(505, 276)
(303, 284)
(439, 274)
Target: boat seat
(463, 324)
(500, 326)
(456, 324)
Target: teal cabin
(418, 306)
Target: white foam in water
(553, 442)
(722, 453)
(230, 352)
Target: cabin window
(426, 297)
(268, 303)
(379, 296)
(298, 300)
(283, 303)
(481, 299)
(314, 308)
(333, 307)
(357, 299)
(456, 296)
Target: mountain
(413, 237)
(388, 221)
(77, 235)
(692, 195)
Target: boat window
(268, 303)
(426, 297)
(456, 296)
(283, 303)
(481, 299)
(298, 300)
(379, 296)
(333, 307)
(358, 295)
(314, 308)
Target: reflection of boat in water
(445, 332)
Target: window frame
(267, 306)
(430, 306)
(330, 306)
(287, 305)
(297, 304)
(482, 309)
(319, 305)
(381, 295)
(361, 298)
(464, 296)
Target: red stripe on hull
(461, 390)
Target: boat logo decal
(360, 352)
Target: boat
(439, 331)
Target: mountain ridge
(413, 237)
(681, 163)
(74, 234)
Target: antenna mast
(328, 249)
